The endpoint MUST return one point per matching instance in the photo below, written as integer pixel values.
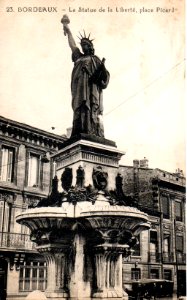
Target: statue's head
(86, 44)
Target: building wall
(157, 193)
(18, 142)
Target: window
(136, 248)
(7, 164)
(179, 243)
(178, 211)
(153, 251)
(153, 237)
(34, 170)
(166, 248)
(167, 274)
(153, 246)
(166, 244)
(136, 273)
(33, 276)
(179, 249)
(154, 273)
(165, 207)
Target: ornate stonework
(7, 197)
(31, 135)
(83, 244)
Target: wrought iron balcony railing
(166, 257)
(16, 241)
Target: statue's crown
(85, 38)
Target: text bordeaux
(38, 9)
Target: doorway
(3, 279)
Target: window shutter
(9, 165)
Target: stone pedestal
(56, 256)
(108, 264)
(80, 287)
(89, 155)
(55, 279)
(87, 226)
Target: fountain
(83, 241)
(86, 225)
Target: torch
(65, 20)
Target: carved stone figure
(119, 184)
(80, 177)
(54, 185)
(89, 78)
(100, 178)
(67, 178)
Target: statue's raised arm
(89, 78)
(65, 21)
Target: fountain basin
(46, 223)
(83, 245)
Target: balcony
(16, 241)
(154, 257)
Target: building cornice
(28, 134)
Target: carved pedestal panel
(57, 271)
(108, 266)
(85, 156)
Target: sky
(143, 44)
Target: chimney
(179, 173)
(136, 163)
(144, 163)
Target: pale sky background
(144, 107)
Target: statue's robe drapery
(87, 102)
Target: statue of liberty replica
(89, 78)
(86, 229)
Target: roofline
(32, 128)
(138, 167)
(174, 174)
(155, 169)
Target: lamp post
(136, 272)
(137, 297)
(176, 257)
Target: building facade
(25, 178)
(161, 252)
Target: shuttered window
(179, 243)
(7, 164)
(34, 170)
(165, 207)
(178, 211)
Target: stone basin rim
(60, 212)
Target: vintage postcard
(113, 72)
(143, 44)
